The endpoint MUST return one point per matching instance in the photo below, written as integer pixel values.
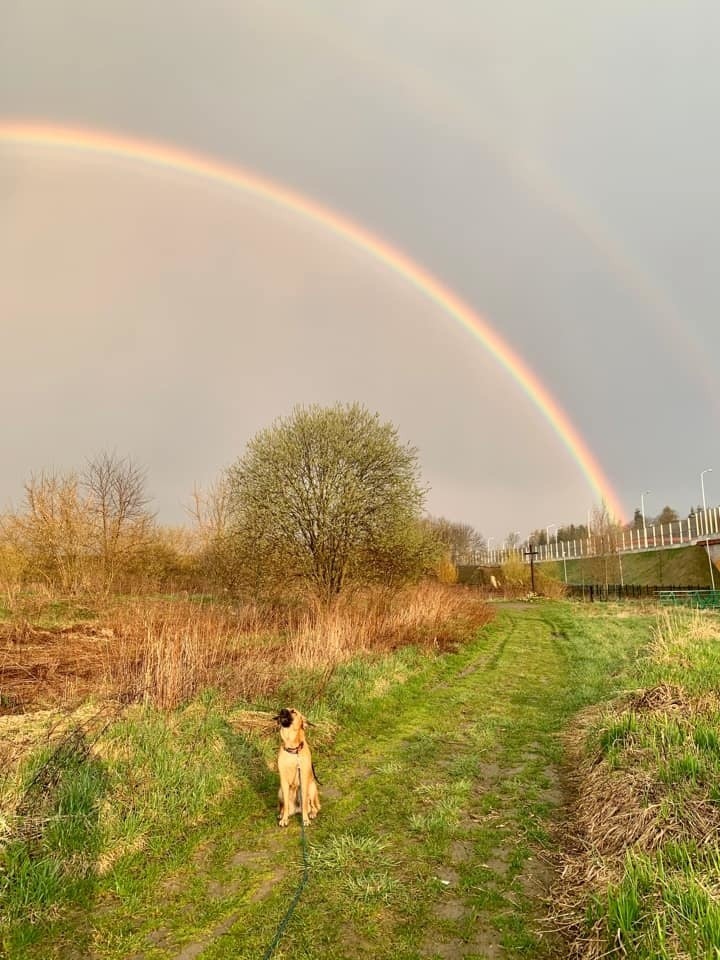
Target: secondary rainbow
(165, 156)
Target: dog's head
(290, 717)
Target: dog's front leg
(305, 801)
(286, 811)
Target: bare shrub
(166, 651)
(427, 615)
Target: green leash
(282, 926)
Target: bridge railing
(703, 525)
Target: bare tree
(210, 511)
(460, 540)
(214, 548)
(54, 530)
(606, 534)
(117, 504)
(14, 562)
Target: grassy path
(438, 797)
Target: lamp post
(642, 511)
(702, 487)
(490, 540)
(547, 536)
(557, 547)
(707, 541)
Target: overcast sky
(555, 164)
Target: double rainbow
(163, 156)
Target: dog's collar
(296, 749)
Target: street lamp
(557, 550)
(642, 511)
(702, 487)
(707, 542)
(547, 537)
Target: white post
(623, 539)
(702, 485)
(662, 535)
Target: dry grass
(166, 651)
(431, 615)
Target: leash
(282, 926)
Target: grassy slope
(439, 790)
(681, 566)
(653, 859)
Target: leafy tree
(325, 497)
(572, 532)
(667, 515)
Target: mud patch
(266, 888)
(245, 858)
(194, 949)
(330, 792)
(483, 943)
(536, 878)
(450, 909)
(171, 886)
(498, 862)
(448, 876)
(160, 937)
(460, 851)
(219, 891)
(488, 774)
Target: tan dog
(294, 757)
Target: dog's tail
(312, 765)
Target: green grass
(46, 613)
(439, 787)
(679, 566)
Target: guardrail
(603, 592)
(701, 599)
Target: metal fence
(617, 591)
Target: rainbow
(164, 156)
